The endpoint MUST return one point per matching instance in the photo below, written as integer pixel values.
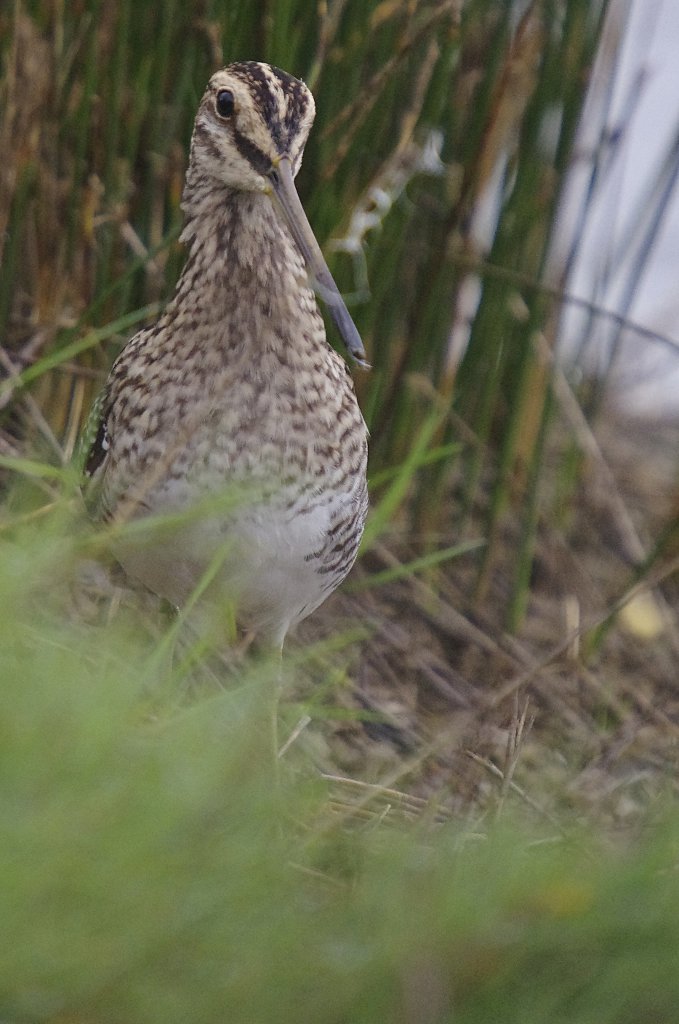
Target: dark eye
(225, 103)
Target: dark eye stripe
(253, 154)
(205, 136)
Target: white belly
(260, 566)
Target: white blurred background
(625, 250)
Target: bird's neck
(244, 286)
(229, 223)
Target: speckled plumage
(233, 402)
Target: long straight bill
(288, 203)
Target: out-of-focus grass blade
(429, 561)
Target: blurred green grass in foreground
(151, 873)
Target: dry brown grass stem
(653, 580)
(492, 769)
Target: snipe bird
(233, 408)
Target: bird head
(250, 118)
(249, 136)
